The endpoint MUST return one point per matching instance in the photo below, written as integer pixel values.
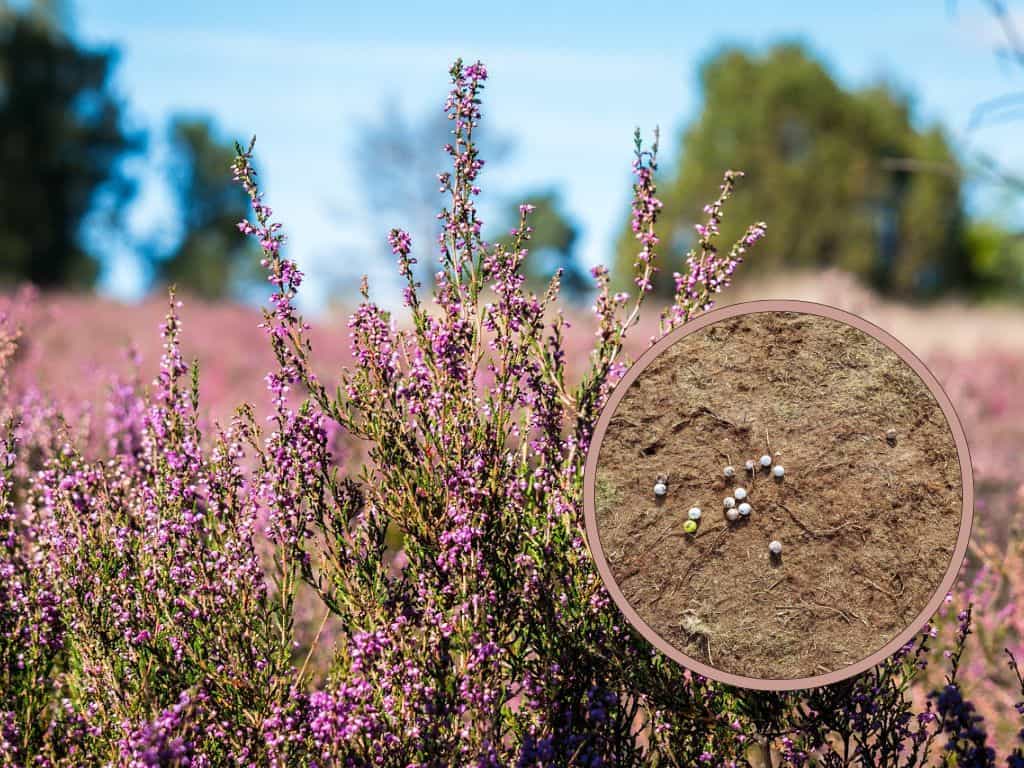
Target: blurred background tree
(846, 178)
(552, 244)
(815, 157)
(210, 259)
(997, 256)
(62, 146)
(396, 160)
(996, 242)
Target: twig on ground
(817, 534)
(844, 615)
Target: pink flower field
(73, 344)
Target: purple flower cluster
(707, 271)
(142, 620)
(163, 740)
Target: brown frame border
(821, 310)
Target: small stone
(732, 514)
(740, 494)
(766, 461)
(690, 526)
(745, 509)
(728, 502)
(775, 548)
(778, 470)
(694, 513)
(660, 489)
(729, 472)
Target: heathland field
(73, 347)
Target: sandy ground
(868, 527)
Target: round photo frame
(963, 455)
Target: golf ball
(745, 509)
(729, 502)
(660, 489)
(766, 461)
(740, 494)
(778, 470)
(729, 472)
(750, 465)
(690, 526)
(694, 513)
(775, 547)
(732, 514)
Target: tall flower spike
(707, 272)
(646, 206)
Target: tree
(552, 243)
(997, 256)
(62, 142)
(211, 258)
(996, 246)
(815, 156)
(397, 159)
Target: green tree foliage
(997, 257)
(61, 145)
(552, 243)
(211, 259)
(837, 173)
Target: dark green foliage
(62, 140)
(997, 257)
(845, 177)
(210, 260)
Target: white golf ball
(732, 514)
(694, 513)
(778, 470)
(745, 509)
(775, 547)
(740, 494)
(660, 489)
(750, 465)
(766, 461)
(729, 472)
(729, 502)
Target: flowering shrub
(140, 626)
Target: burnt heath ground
(868, 512)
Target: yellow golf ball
(690, 526)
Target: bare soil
(868, 524)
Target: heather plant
(31, 630)
(141, 625)
(497, 644)
(173, 645)
(993, 582)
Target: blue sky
(569, 81)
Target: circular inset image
(833, 482)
